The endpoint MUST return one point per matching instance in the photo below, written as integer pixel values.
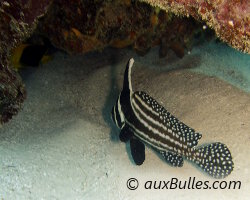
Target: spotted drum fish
(142, 120)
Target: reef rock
(84, 26)
(229, 18)
(88, 25)
(18, 18)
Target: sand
(63, 144)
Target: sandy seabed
(63, 144)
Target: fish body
(142, 120)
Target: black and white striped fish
(143, 120)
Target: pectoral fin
(137, 150)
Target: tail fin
(127, 86)
(215, 159)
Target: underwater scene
(124, 100)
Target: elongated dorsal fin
(127, 85)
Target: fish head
(117, 114)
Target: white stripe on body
(149, 140)
(155, 131)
